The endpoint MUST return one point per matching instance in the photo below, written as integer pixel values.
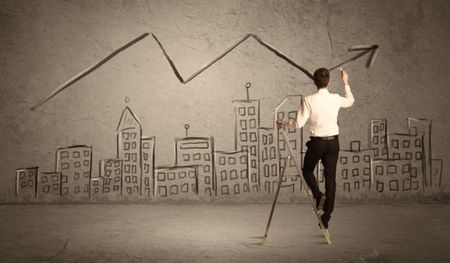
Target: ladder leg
(307, 190)
(275, 199)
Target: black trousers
(328, 152)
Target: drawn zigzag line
(365, 49)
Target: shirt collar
(323, 91)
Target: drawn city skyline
(394, 164)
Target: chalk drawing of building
(378, 138)
(247, 117)
(26, 183)
(148, 165)
(111, 172)
(268, 164)
(353, 172)
(75, 165)
(436, 173)
(97, 188)
(129, 134)
(176, 183)
(49, 186)
(232, 173)
(395, 178)
(198, 151)
(287, 109)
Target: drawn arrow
(87, 71)
(372, 49)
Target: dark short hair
(321, 77)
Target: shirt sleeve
(303, 114)
(348, 99)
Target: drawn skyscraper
(176, 183)
(247, 116)
(288, 109)
(129, 134)
(197, 151)
(26, 183)
(268, 166)
(49, 186)
(232, 173)
(75, 165)
(148, 165)
(377, 138)
(111, 171)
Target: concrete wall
(45, 43)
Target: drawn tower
(129, 134)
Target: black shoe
(320, 202)
(324, 221)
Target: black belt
(326, 138)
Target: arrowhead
(372, 49)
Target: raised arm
(348, 99)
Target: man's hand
(281, 123)
(344, 77)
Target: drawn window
(86, 162)
(252, 124)
(375, 139)
(145, 156)
(125, 135)
(134, 157)
(272, 153)
(77, 164)
(367, 158)
(224, 190)
(356, 159)
(231, 160)
(406, 168)
(366, 171)
(133, 145)
(396, 156)
(64, 154)
(264, 155)
(77, 189)
(236, 189)
(243, 136)
(233, 175)
(243, 174)
(408, 155)
(243, 159)
(264, 139)
(207, 157)
(253, 150)
(86, 174)
(191, 174)
(76, 154)
(383, 139)
(343, 159)
(65, 166)
(251, 111)
(382, 126)
(55, 178)
(161, 176)
(87, 153)
(44, 179)
(127, 157)
(171, 176)
(241, 111)
(207, 180)
(379, 170)
(197, 156)
(185, 188)
(133, 169)
(146, 145)
(243, 124)
(394, 143)
(222, 160)
(162, 190)
(126, 146)
(274, 170)
(406, 144)
(270, 136)
(418, 143)
(393, 185)
(174, 189)
(253, 163)
(294, 144)
(223, 175)
(186, 157)
(206, 168)
(133, 135)
(118, 171)
(375, 129)
(64, 179)
(414, 172)
(355, 172)
(345, 173)
(418, 155)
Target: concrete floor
(222, 233)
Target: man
(321, 109)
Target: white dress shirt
(322, 110)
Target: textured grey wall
(44, 43)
